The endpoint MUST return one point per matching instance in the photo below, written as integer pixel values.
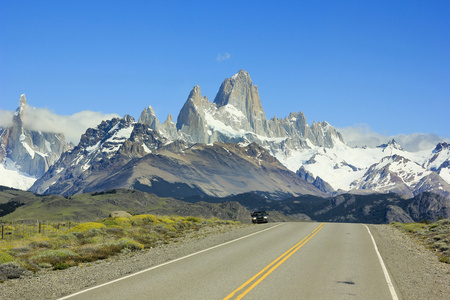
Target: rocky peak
(191, 119)
(148, 117)
(128, 119)
(440, 147)
(20, 112)
(22, 106)
(195, 97)
(169, 119)
(392, 144)
(240, 92)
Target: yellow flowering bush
(87, 226)
(143, 219)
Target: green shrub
(41, 244)
(114, 230)
(194, 219)
(89, 253)
(413, 227)
(148, 239)
(130, 244)
(53, 256)
(445, 259)
(5, 257)
(61, 266)
(67, 237)
(110, 222)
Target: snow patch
(11, 176)
(28, 148)
(48, 146)
(146, 149)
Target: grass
(91, 241)
(435, 236)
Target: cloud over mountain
(362, 135)
(42, 119)
(5, 118)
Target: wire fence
(23, 229)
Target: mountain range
(218, 148)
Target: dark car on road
(260, 217)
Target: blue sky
(379, 65)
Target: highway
(285, 261)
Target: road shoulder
(416, 272)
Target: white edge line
(383, 266)
(163, 264)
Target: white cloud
(361, 135)
(6, 118)
(221, 57)
(40, 119)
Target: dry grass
(92, 241)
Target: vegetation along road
(284, 261)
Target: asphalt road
(287, 261)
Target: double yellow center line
(261, 275)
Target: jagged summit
(21, 109)
(148, 116)
(237, 115)
(22, 102)
(240, 92)
(392, 144)
(242, 75)
(29, 153)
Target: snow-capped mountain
(101, 150)
(122, 153)
(400, 175)
(439, 161)
(237, 115)
(25, 155)
(317, 153)
(366, 169)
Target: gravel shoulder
(415, 271)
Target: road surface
(285, 261)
